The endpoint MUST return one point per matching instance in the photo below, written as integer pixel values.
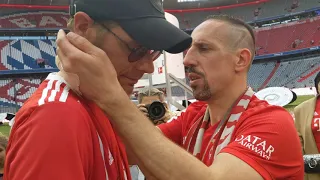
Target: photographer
(151, 103)
(307, 121)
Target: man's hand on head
(98, 78)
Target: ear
(83, 25)
(243, 61)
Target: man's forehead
(209, 30)
(217, 31)
(150, 99)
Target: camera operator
(307, 122)
(152, 104)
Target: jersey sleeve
(51, 142)
(173, 129)
(269, 143)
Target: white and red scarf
(222, 135)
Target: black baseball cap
(143, 20)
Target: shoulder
(53, 101)
(194, 111)
(263, 117)
(54, 89)
(262, 132)
(270, 122)
(196, 107)
(308, 103)
(260, 109)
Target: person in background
(146, 97)
(3, 147)
(307, 122)
(229, 134)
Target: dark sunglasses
(137, 53)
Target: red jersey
(54, 138)
(259, 139)
(315, 125)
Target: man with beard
(230, 134)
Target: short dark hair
(317, 81)
(234, 21)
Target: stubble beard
(202, 93)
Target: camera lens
(156, 110)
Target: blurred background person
(307, 121)
(152, 104)
(3, 146)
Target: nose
(145, 65)
(190, 58)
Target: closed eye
(203, 47)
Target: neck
(220, 104)
(72, 80)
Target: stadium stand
(14, 92)
(38, 54)
(27, 54)
(34, 20)
(291, 74)
(249, 13)
(259, 73)
(279, 38)
(288, 37)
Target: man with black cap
(59, 135)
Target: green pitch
(299, 100)
(5, 130)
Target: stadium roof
(168, 4)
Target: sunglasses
(136, 53)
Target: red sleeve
(173, 129)
(51, 142)
(269, 143)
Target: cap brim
(157, 34)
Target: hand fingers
(64, 45)
(69, 55)
(83, 44)
(141, 105)
(60, 55)
(143, 109)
